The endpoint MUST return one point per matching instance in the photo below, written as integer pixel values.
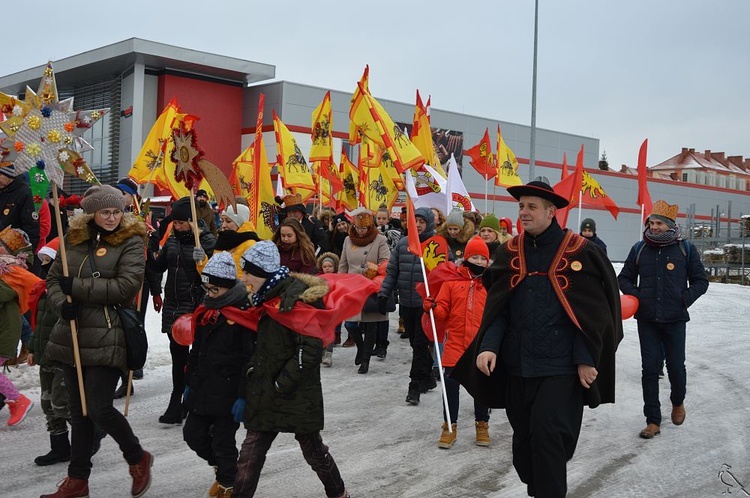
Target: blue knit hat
(262, 259)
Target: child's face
(381, 218)
(327, 267)
(45, 259)
(587, 232)
(503, 230)
(478, 259)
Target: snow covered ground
(386, 448)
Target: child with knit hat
(460, 303)
(214, 381)
(328, 262)
(588, 230)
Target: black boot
(356, 334)
(367, 344)
(2, 401)
(59, 451)
(173, 415)
(382, 350)
(123, 389)
(99, 434)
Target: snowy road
(386, 448)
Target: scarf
(365, 239)
(233, 295)
(229, 239)
(475, 270)
(671, 236)
(259, 296)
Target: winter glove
(68, 310)
(198, 254)
(158, 303)
(290, 297)
(428, 304)
(185, 394)
(66, 285)
(238, 410)
(382, 305)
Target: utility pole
(532, 153)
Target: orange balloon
(628, 306)
(182, 330)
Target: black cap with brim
(538, 189)
(297, 207)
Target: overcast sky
(674, 71)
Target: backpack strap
(684, 247)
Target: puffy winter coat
(284, 392)
(215, 367)
(236, 243)
(120, 261)
(17, 209)
(182, 292)
(46, 318)
(354, 259)
(460, 303)
(10, 333)
(663, 291)
(404, 271)
(458, 244)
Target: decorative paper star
(42, 128)
(186, 155)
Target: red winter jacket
(461, 304)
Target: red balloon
(628, 306)
(182, 330)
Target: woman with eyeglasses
(105, 256)
(183, 262)
(295, 247)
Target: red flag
(481, 157)
(414, 246)
(570, 188)
(564, 172)
(644, 198)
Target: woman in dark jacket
(105, 257)
(182, 261)
(295, 247)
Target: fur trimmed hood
(464, 236)
(317, 288)
(79, 231)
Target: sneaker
(413, 397)
(70, 488)
(19, 408)
(327, 360)
(483, 433)
(141, 473)
(447, 438)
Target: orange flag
(414, 246)
(570, 188)
(481, 157)
(644, 197)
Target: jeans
(253, 456)
(452, 388)
(99, 383)
(652, 336)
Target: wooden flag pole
(194, 223)
(130, 372)
(73, 329)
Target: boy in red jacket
(461, 303)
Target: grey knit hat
(102, 197)
(9, 171)
(455, 218)
(220, 270)
(240, 216)
(262, 259)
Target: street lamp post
(532, 153)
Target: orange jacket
(460, 303)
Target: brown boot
(223, 492)
(447, 438)
(483, 433)
(678, 414)
(70, 488)
(141, 473)
(650, 431)
(349, 342)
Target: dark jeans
(253, 456)
(545, 414)
(652, 336)
(99, 384)
(179, 362)
(212, 439)
(421, 360)
(452, 387)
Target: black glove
(66, 285)
(382, 305)
(68, 310)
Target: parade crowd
(528, 320)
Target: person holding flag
(546, 345)
(403, 274)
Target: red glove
(157, 303)
(428, 304)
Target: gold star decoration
(186, 156)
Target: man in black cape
(547, 342)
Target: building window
(684, 177)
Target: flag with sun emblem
(46, 133)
